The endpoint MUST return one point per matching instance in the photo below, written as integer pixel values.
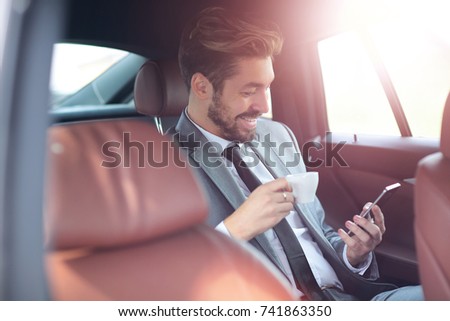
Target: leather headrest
(445, 130)
(112, 183)
(159, 89)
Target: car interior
(74, 229)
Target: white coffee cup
(304, 186)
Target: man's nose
(263, 103)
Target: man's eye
(247, 93)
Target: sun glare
(412, 39)
(433, 14)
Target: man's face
(244, 98)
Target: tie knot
(235, 155)
(241, 155)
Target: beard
(220, 114)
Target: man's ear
(201, 86)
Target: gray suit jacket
(277, 147)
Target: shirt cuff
(362, 267)
(223, 229)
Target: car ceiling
(152, 28)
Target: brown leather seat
(124, 221)
(432, 222)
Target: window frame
(383, 75)
(112, 86)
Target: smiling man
(232, 112)
(227, 64)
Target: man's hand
(263, 209)
(367, 234)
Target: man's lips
(249, 121)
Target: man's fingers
(285, 197)
(364, 209)
(379, 218)
(346, 238)
(285, 208)
(359, 232)
(279, 184)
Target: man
(226, 62)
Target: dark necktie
(301, 270)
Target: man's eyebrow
(254, 84)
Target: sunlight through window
(413, 41)
(74, 66)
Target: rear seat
(160, 92)
(118, 232)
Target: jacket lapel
(305, 211)
(212, 164)
(221, 177)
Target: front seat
(432, 222)
(124, 220)
(160, 92)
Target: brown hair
(216, 39)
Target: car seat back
(432, 222)
(124, 220)
(160, 92)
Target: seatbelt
(301, 270)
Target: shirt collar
(209, 136)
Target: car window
(416, 57)
(75, 65)
(354, 96)
(419, 68)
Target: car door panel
(371, 163)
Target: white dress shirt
(321, 269)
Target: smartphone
(384, 195)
